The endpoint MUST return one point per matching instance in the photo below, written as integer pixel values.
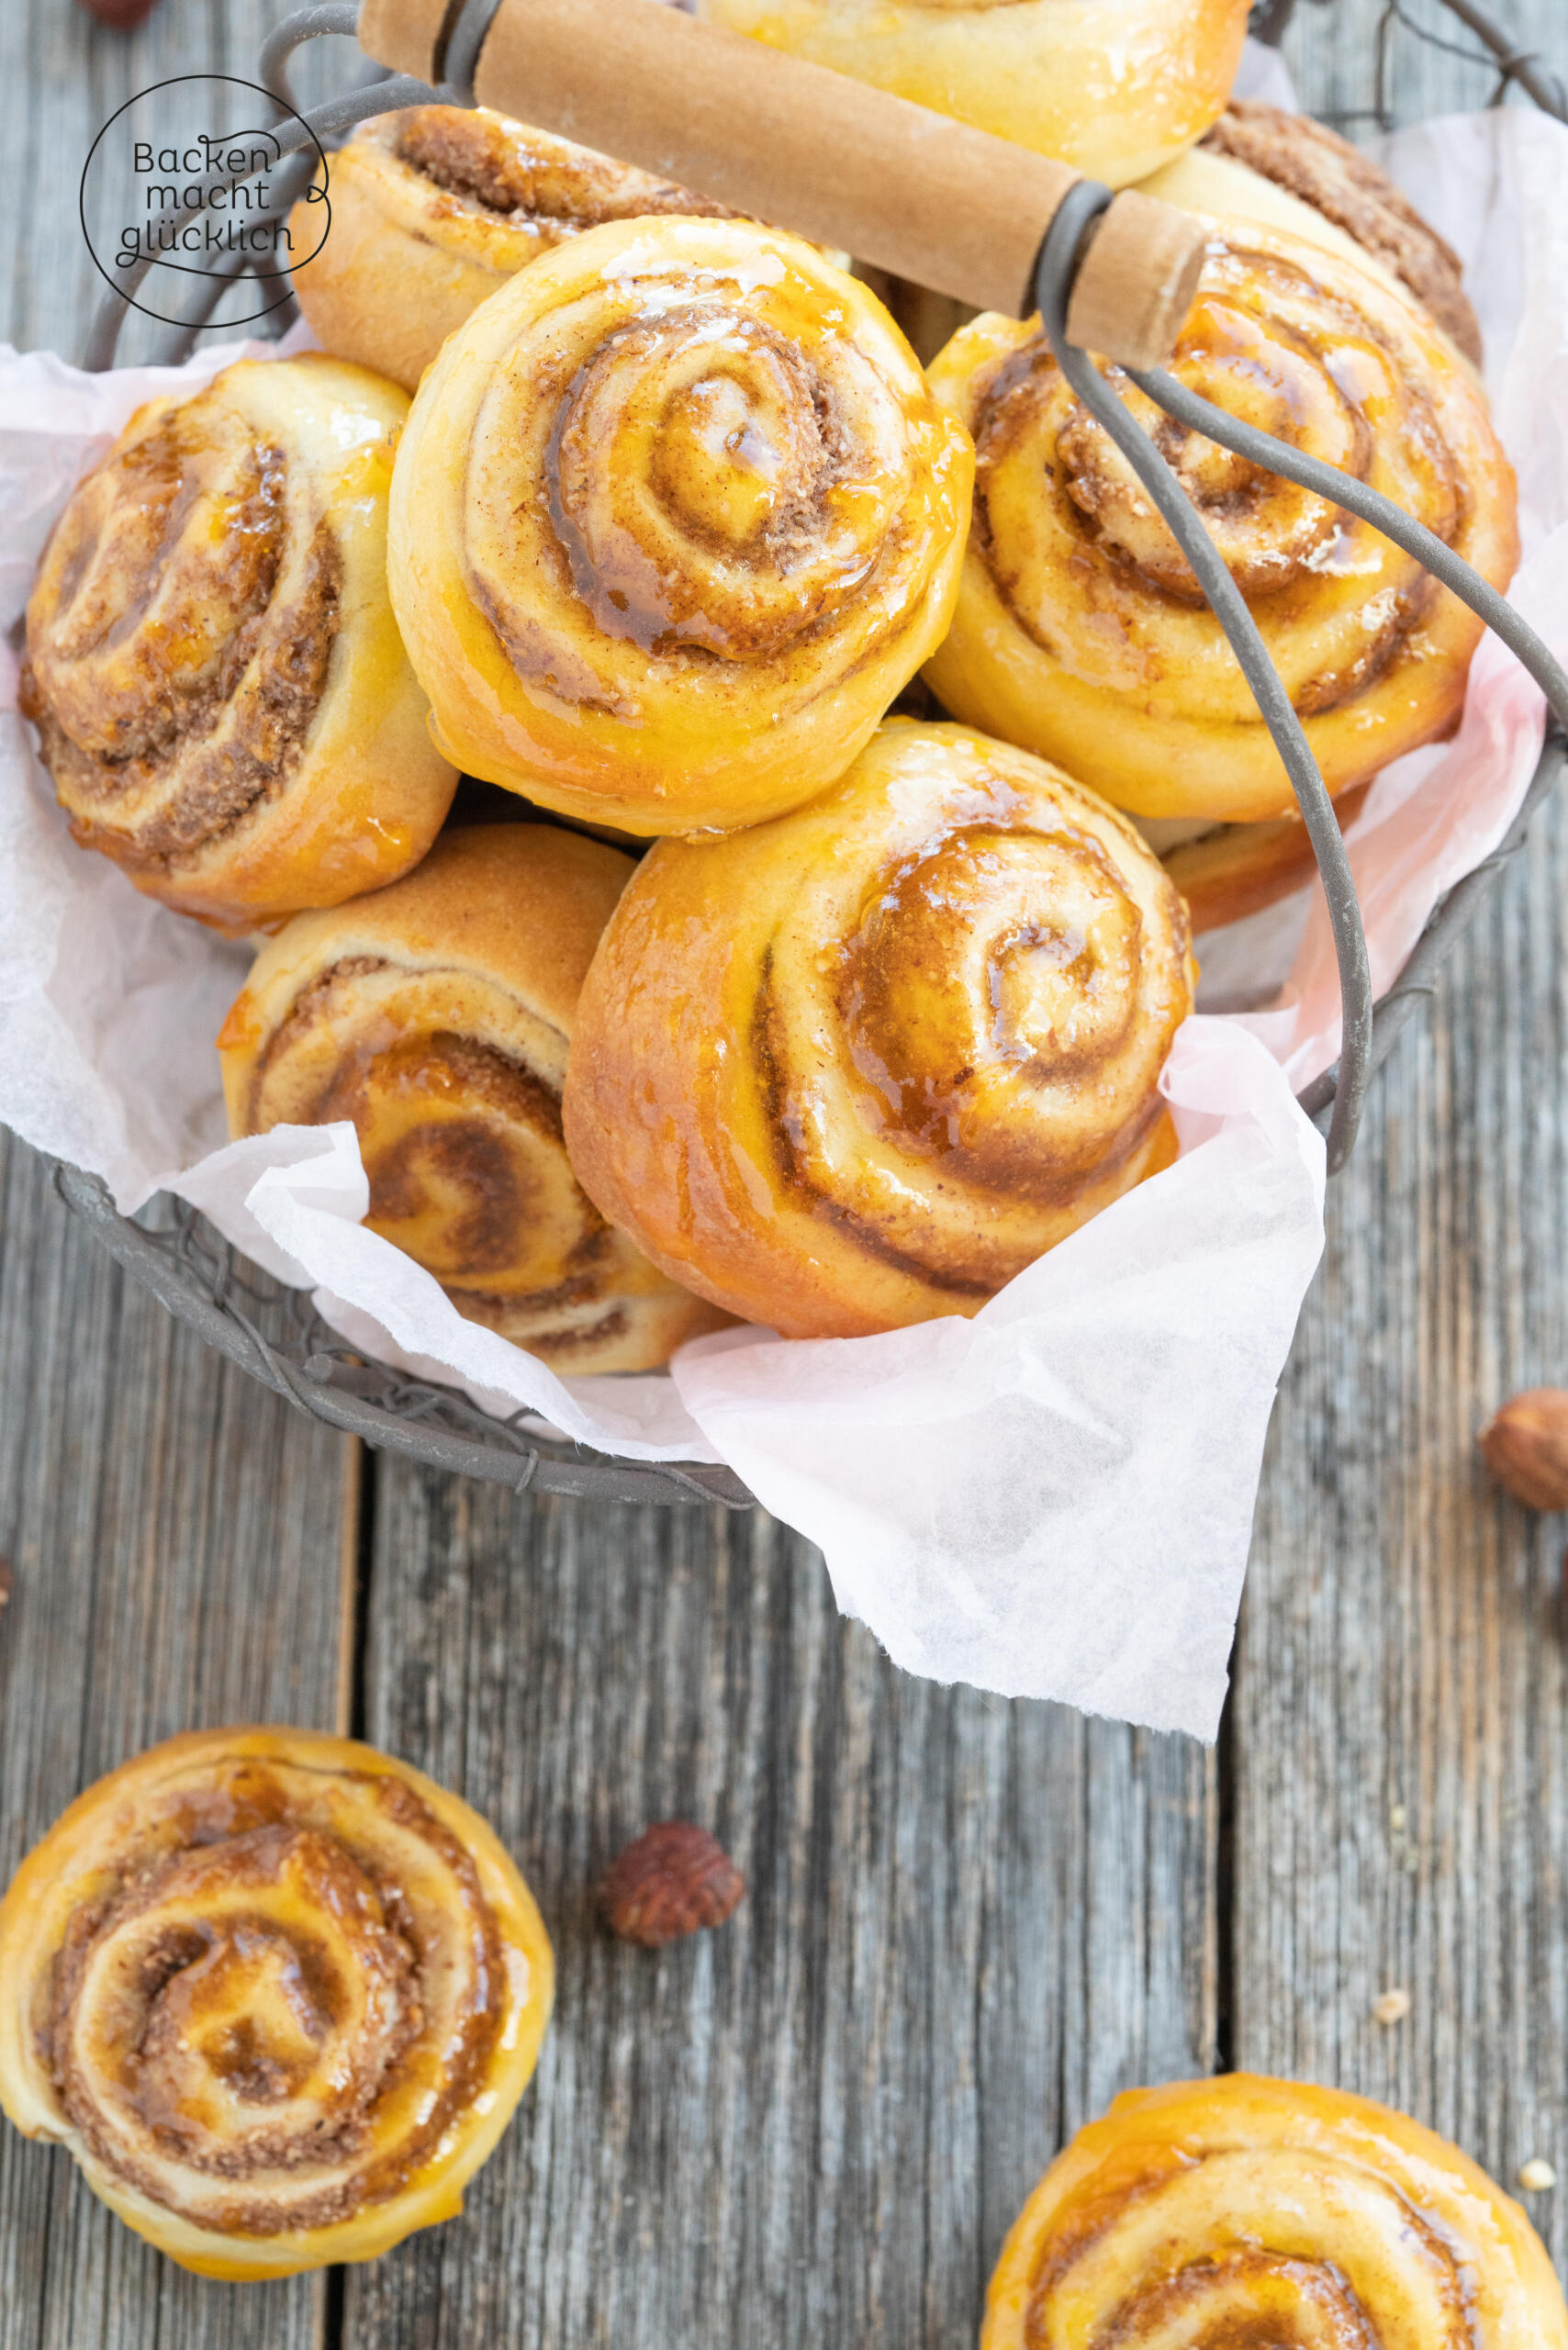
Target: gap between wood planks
(357, 1576)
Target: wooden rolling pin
(793, 143)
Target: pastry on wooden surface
(435, 1016)
(434, 207)
(278, 1992)
(858, 1067)
(1116, 86)
(1239, 2211)
(1079, 630)
(218, 685)
(674, 517)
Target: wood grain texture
(177, 1534)
(1328, 49)
(176, 1538)
(1399, 1727)
(1401, 1710)
(968, 1924)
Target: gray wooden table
(971, 1922)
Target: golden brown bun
(1249, 2211)
(858, 1067)
(1229, 871)
(1116, 86)
(435, 1016)
(1079, 630)
(217, 682)
(1315, 164)
(674, 519)
(278, 1992)
(435, 208)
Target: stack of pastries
(674, 521)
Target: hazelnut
(1526, 1448)
(121, 15)
(674, 1879)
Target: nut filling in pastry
(862, 1065)
(212, 665)
(1238, 2212)
(1081, 633)
(1313, 163)
(529, 178)
(196, 747)
(434, 208)
(435, 1017)
(274, 1988)
(674, 517)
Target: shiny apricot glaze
(221, 691)
(674, 520)
(1115, 87)
(858, 1067)
(1081, 633)
(436, 1016)
(1230, 2214)
(278, 1992)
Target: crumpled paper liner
(1053, 1499)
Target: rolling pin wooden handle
(805, 149)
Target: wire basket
(275, 1332)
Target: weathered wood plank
(968, 1924)
(176, 1537)
(1331, 49)
(177, 1534)
(1401, 1711)
(1400, 1721)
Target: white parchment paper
(1053, 1499)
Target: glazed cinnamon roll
(860, 1066)
(1344, 194)
(1116, 86)
(1243, 2210)
(435, 1016)
(1081, 631)
(218, 685)
(278, 1992)
(674, 520)
(432, 209)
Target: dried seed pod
(674, 1880)
(1526, 1448)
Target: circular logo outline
(186, 269)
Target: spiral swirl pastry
(218, 685)
(435, 1016)
(278, 1994)
(674, 519)
(860, 1066)
(1082, 633)
(1240, 2213)
(436, 206)
(1116, 86)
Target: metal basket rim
(341, 1391)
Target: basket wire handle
(1062, 253)
(1059, 259)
